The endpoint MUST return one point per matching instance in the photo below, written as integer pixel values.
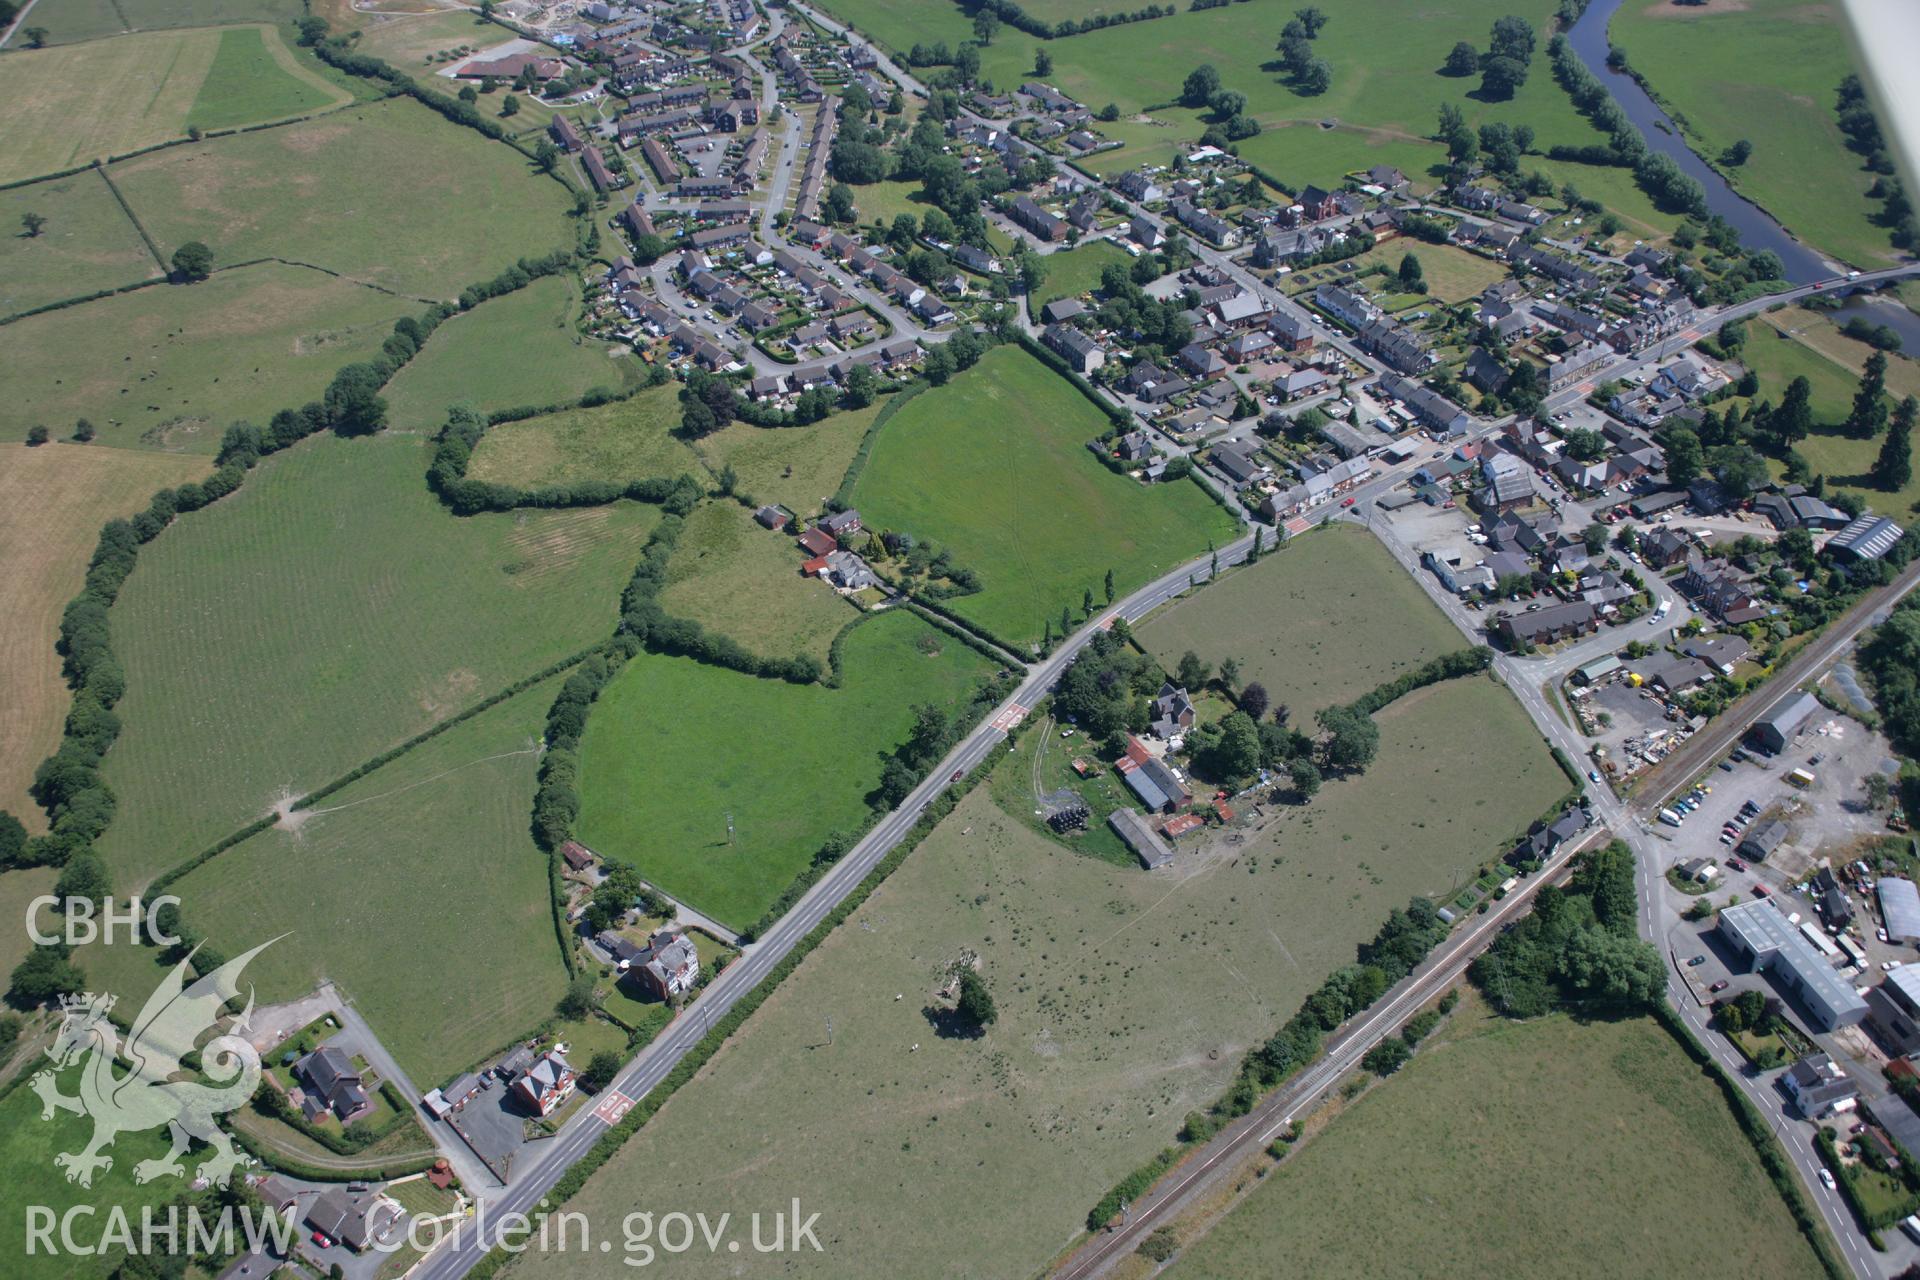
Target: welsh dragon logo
(148, 1094)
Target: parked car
(1761, 891)
(1736, 864)
(1718, 986)
(1880, 934)
(1696, 962)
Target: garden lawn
(1329, 616)
(168, 367)
(426, 858)
(1766, 71)
(735, 577)
(521, 349)
(87, 245)
(331, 609)
(797, 467)
(388, 193)
(1125, 1000)
(1072, 272)
(883, 201)
(674, 747)
(53, 500)
(627, 440)
(994, 468)
(1462, 1157)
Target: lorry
(1802, 778)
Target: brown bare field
(53, 500)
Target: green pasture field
(1766, 71)
(797, 467)
(1020, 500)
(1328, 617)
(629, 439)
(69, 105)
(168, 367)
(900, 26)
(1304, 152)
(254, 78)
(1452, 275)
(733, 576)
(387, 193)
(1385, 54)
(87, 244)
(331, 609)
(1072, 272)
(28, 1146)
(70, 20)
(410, 42)
(1149, 140)
(424, 859)
(993, 1150)
(1830, 361)
(1463, 1155)
(674, 746)
(523, 349)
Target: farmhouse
(666, 967)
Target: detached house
(666, 967)
(549, 1082)
(329, 1082)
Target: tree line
(1656, 173)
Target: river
(1757, 228)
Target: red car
(1347, 503)
(1718, 986)
(1760, 890)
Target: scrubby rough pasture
(1321, 621)
(733, 576)
(329, 610)
(994, 467)
(87, 245)
(1550, 1147)
(168, 367)
(630, 439)
(425, 859)
(1125, 999)
(521, 349)
(53, 500)
(388, 193)
(798, 467)
(674, 746)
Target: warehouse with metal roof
(1763, 937)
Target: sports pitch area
(1019, 500)
(916, 1149)
(1291, 621)
(1495, 1128)
(521, 349)
(72, 104)
(168, 367)
(387, 193)
(53, 500)
(674, 748)
(424, 860)
(287, 607)
(627, 440)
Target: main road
(543, 1166)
